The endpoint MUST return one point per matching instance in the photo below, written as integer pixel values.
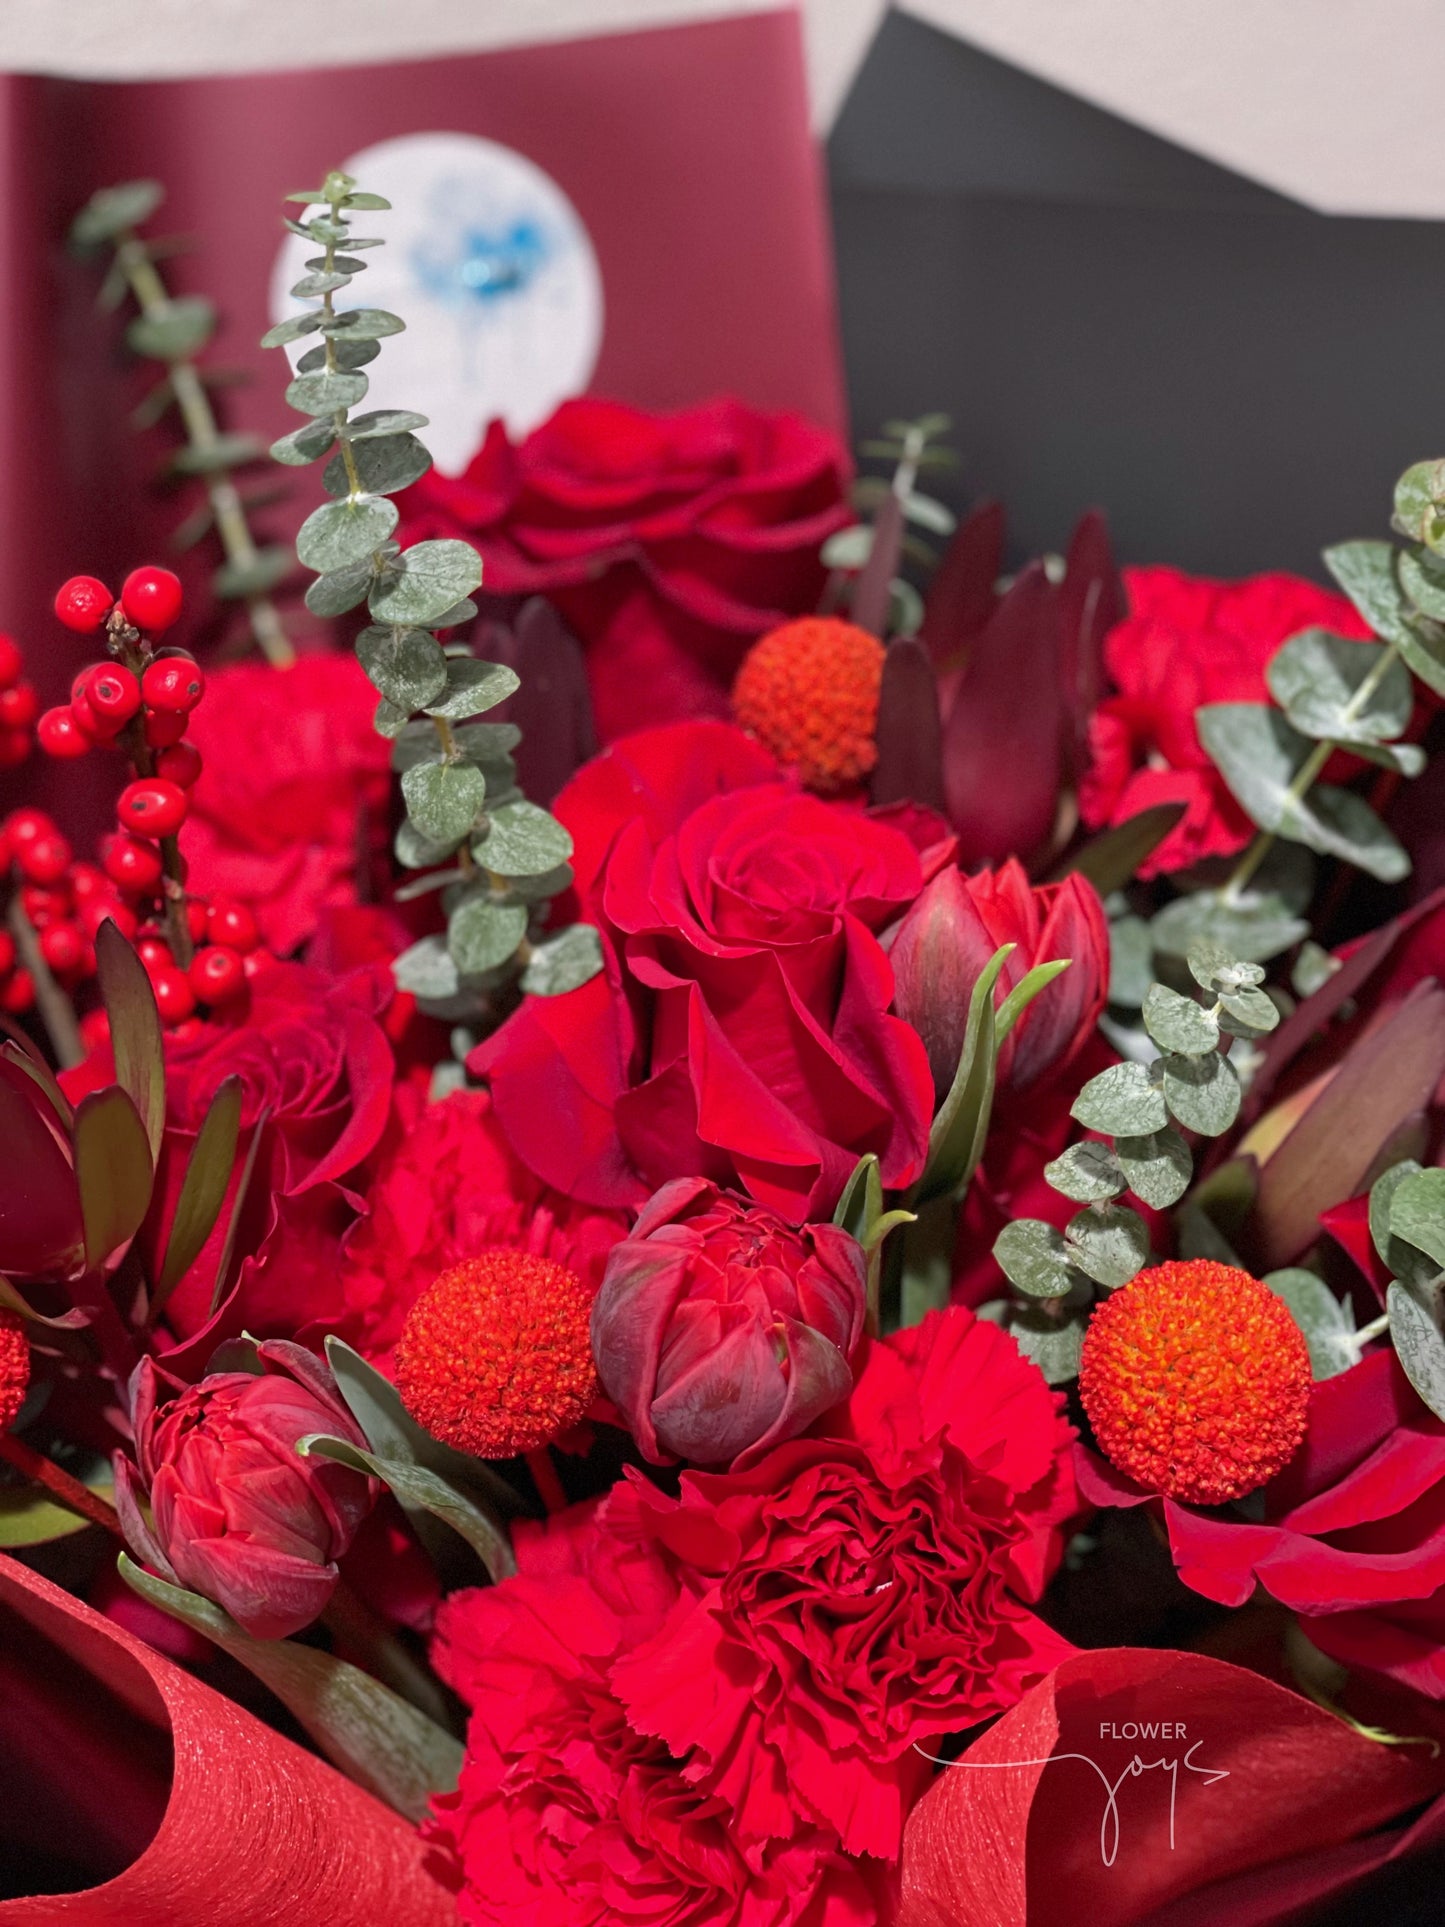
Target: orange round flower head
(14, 1367)
(1196, 1381)
(495, 1356)
(809, 693)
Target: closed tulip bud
(240, 1517)
(953, 929)
(720, 1330)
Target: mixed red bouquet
(831, 1316)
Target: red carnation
(1186, 641)
(854, 1595)
(668, 542)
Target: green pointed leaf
(326, 393)
(1419, 1346)
(339, 535)
(1417, 1212)
(1122, 1099)
(113, 209)
(956, 1139)
(473, 687)
(1327, 1324)
(135, 1030)
(426, 1491)
(427, 970)
(564, 962)
(203, 1189)
(363, 324)
(522, 840)
(1178, 1023)
(293, 327)
(406, 665)
(306, 444)
(1087, 1172)
(1024, 993)
(383, 466)
(174, 332)
(428, 580)
(1317, 679)
(444, 800)
(1202, 1093)
(1256, 926)
(1112, 858)
(341, 590)
(1108, 1242)
(371, 1733)
(483, 934)
(1033, 1257)
(113, 1170)
(1157, 1166)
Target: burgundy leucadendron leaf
(962, 596)
(113, 1169)
(553, 707)
(203, 1189)
(135, 1030)
(910, 732)
(41, 1234)
(870, 595)
(1091, 601)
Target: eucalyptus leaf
(489, 745)
(429, 579)
(111, 210)
(406, 665)
(848, 548)
(444, 800)
(256, 577)
(1131, 958)
(1248, 1012)
(414, 851)
(1327, 1324)
(1202, 1093)
(427, 969)
(363, 324)
(1255, 926)
(321, 280)
(1178, 1023)
(305, 444)
(347, 355)
(326, 393)
(1123, 1099)
(473, 687)
(1157, 1166)
(292, 328)
(1214, 969)
(175, 331)
(1422, 577)
(390, 720)
(1087, 1172)
(383, 466)
(564, 962)
(1402, 1260)
(1366, 573)
(483, 933)
(1054, 1346)
(220, 453)
(383, 421)
(341, 590)
(1318, 679)
(339, 535)
(1419, 1346)
(1417, 1213)
(522, 840)
(1109, 1242)
(1419, 495)
(1033, 1257)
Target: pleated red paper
(181, 1806)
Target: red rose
(1188, 640)
(292, 772)
(669, 542)
(741, 1031)
(564, 1813)
(316, 1076)
(445, 1189)
(1352, 1532)
(853, 1596)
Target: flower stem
(69, 1492)
(56, 1011)
(544, 1477)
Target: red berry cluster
(19, 705)
(64, 901)
(228, 954)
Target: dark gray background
(1114, 322)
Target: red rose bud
(953, 929)
(720, 1330)
(11, 661)
(240, 1517)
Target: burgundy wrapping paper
(188, 1809)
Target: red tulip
(720, 1330)
(950, 933)
(240, 1516)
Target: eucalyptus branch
(170, 330)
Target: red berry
(154, 952)
(233, 925)
(14, 747)
(218, 974)
(114, 694)
(11, 661)
(95, 1030)
(83, 604)
(173, 684)
(58, 733)
(19, 706)
(258, 962)
(163, 729)
(88, 880)
(90, 725)
(181, 763)
(196, 919)
(44, 859)
(63, 947)
(18, 994)
(7, 952)
(175, 1000)
(23, 826)
(132, 863)
(151, 598)
(43, 906)
(153, 807)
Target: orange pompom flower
(1196, 1381)
(809, 693)
(495, 1356)
(14, 1367)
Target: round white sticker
(489, 265)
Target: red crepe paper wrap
(168, 1802)
(998, 1844)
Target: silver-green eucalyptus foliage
(497, 857)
